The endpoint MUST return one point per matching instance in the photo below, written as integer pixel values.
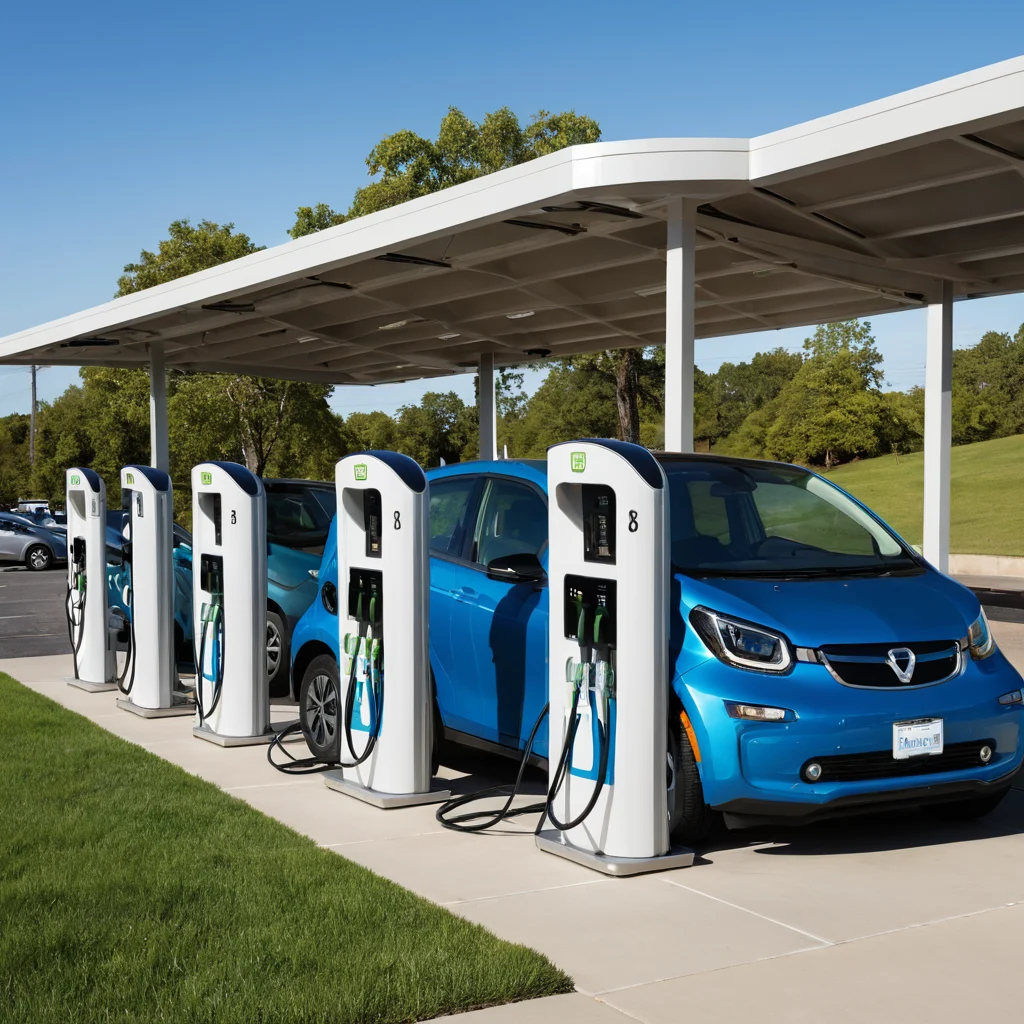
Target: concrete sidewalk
(848, 919)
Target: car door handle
(466, 595)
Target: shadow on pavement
(893, 830)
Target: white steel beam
(938, 416)
(680, 286)
(159, 447)
(487, 407)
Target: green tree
(407, 165)
(188, 250)
(310, 219)
(440, 427)
(831, 409)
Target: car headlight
(742, 644)
(979, 637)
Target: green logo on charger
(206, 478)
(579, 461)
(360, 470)
(129, 478)
(75, 479)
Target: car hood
(288, 567)
(813, 612)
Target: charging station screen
(598, 523)
(371, 522)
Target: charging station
(385, 731)
(608, 659)
(149, 679)
(229, 605)
(86, 604)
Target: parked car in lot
(299, 516)
(39, 518)
(819, 665)
(33, 546)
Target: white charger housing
(151, 512)
(609, 579)
(229, 572)
(383, 552)
(95, 658)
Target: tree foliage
(310, 219)
(407, 165)
(188, 249)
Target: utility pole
(32, 424)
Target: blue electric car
(819, 665)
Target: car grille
(880, 764)
(866, 664)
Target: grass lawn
(987, 513)
(133, 891)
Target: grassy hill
(987, 494)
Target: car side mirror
(521, 568)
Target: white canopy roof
(862, 212)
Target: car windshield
(773, 520)
(299, 517)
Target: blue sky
(116, 118)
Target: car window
(771, 519)
(295, 519)
(801, 517)
(448, 501)
(513, 520)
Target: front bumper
(753, 769)
(746, 812)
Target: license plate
(912, 739)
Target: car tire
(320, 708)
(968, 810)
(689, 818)
(277, 654)
(38, 558)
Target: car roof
(289, 483)
(534, 470)
(668, 458)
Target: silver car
(31, 546)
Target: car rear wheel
(277, 655)
(320, 708)
(689, 818)
(38, 557)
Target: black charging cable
(480, 821)
(316, 765)
(218, 674)
(129, 663)
(76, 623)
(564, 763)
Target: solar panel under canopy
(860, 213)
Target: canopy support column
(487, 407)
(159, 450)
(680, 283)
(938, 433)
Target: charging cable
(129, 663)
(74, 611)
(371, 684)
(211, 621)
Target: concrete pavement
(852, 919)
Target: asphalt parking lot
(32, 619)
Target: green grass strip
(132, 891)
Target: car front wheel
(320, 712)
(38, 557)
(689, 818)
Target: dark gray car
(31, 546)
